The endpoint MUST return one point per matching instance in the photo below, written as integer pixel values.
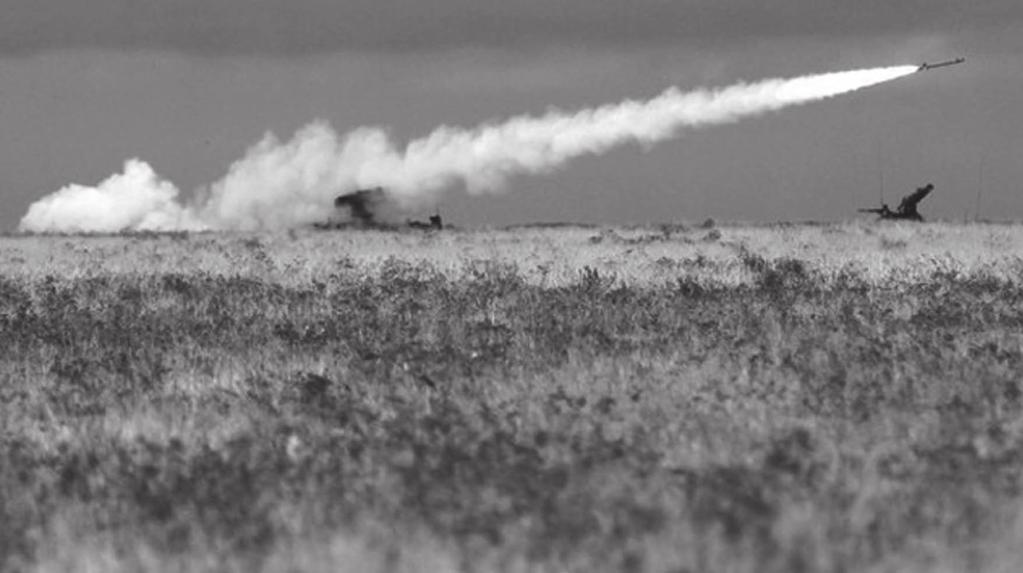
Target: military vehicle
(363, 206)
(906, 211)
(435, 224)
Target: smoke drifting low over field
(287, 184)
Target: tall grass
(262, 402)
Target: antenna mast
(980, 187)
(880, 173)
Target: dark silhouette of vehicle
(907, 209)
(363, 207)
(435, 224)
(361, 204)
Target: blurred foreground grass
(838, 398)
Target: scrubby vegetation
(220, 403)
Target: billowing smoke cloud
(135, 199)
(286, 184)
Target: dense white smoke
(135, 199)
(281, 185)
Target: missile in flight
(925, 66)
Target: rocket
(925, 66)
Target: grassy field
(676, 399)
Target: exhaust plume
(286, 184)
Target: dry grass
(797, 398)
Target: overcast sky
(188, 85)
(301, 27)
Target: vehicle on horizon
(907, 209)
(363, 207)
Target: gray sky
(299, 27)
(188, 85)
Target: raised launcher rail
(907, 209)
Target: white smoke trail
(282, 185)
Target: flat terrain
(674, 399)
